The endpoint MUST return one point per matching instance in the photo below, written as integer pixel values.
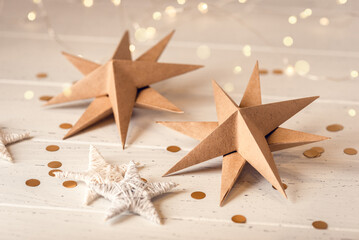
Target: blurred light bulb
(324, 21)
(340, 2)
(354, 74)
(228, 87)
(289, 71)
(141, 34)
(66, 89)
(170, 11)
(302, 67)
(237, 69)
(306, 13)
(28, 95)
(202, 7)
(132, 48)
(292, 19)
(87, 3)
(242, 1)
(157, 16)
(36, 1)
(288, 41)
(352, 112)
(116, 2)
(150, 32)
(31, 16)
(247, 51)
(181, 2)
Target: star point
(9, 138)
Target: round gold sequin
(335, 128)
(32, 182)
(144, 179)
(350, 151)
(65, 125)
(41, 75)
(69, 184)
(198, 195)
(320, 225)
(284, 186)
(45, 98)
(51, 173)
(173, 149)
(239, 219)
(52, 148)
(277, 71)
(54, 164)
(263, 71)
(318, 149)
(311, 153)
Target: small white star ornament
(99, 171)
(132, 194)
(8, 138)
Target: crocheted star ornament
(99, 171)
(8, 138)
(132, 194)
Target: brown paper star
(248, 132)
(119, 84)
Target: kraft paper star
(8, 138)
(119, 84)
(99, 171)
(132, 194)
(248, 132)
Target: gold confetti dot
(65, 125)
(335, 128)
(52, 148)
(318, 149)
(277, 71)
(198, 195)
(69, 184)
(32, 182)
(263, 71)
(173, 149)
(284, 186)
(239, 219)
(45, 98)
(350, 151)
(41, 75)
(54, 164)
(51, 173)
(311, 153)
(144, 179)
(320, 225)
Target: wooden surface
(324, 188)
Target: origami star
(99, 171)
(8, 138)
(132, 194)
(119, 84)
(245, 133)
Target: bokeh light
(288, 41)
(302, 67)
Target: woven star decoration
(132, 194)
(245, 133)
(99, 171)
(8, 138)
(119, 84)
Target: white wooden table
(324, 188)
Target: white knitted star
(99, 171)
(7, 138)
(132, 194)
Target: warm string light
(132, 48)
(288, 41)
(324, 21)
(202, 7)
(354, 74)
(181, 2)
(352, 112)
(292, 20)
(242, 1)
(302, 67)
(247, 51)
(289, 71)
(31, 16)
(171, 11)
(306, 13)
(341, 2)
(28, 95)
(237, 69)
(116, 2)
(157, 16)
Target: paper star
(119, 84)
(132, 194)
(242, 129)
(99, 171)
(8, 138)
